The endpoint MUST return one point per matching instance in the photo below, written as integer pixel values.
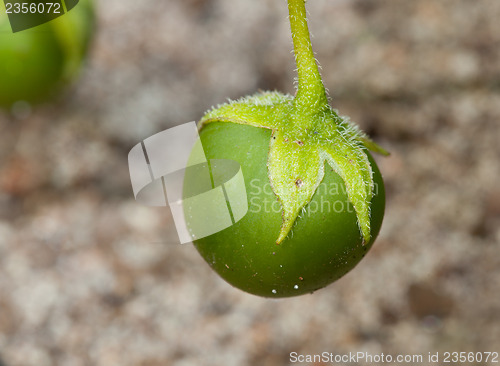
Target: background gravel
(88, 277)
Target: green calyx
(306, 133)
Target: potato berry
(36, 63)
(316, 197)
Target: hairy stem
(311, 95)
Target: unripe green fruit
(325, 242)
(36, 63)
(316, 197)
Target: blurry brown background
(88, 277)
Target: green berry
(316, 197)
(36, 63)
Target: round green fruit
(36, 63)
(315, 195)
(324, 244)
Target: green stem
(311, 95)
